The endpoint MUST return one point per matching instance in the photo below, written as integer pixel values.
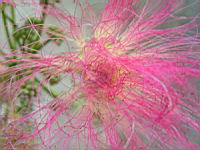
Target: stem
(46, 2)
(13, 17)
(13, 22)
(6, 28)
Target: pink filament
(134, 76)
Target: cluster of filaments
(102, 76)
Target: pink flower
(130, 80)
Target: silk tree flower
(132, 79)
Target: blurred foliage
(55, 34)
(29, 37)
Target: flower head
(128, 79)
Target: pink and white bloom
(132, 79)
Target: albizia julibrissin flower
(131, 79)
